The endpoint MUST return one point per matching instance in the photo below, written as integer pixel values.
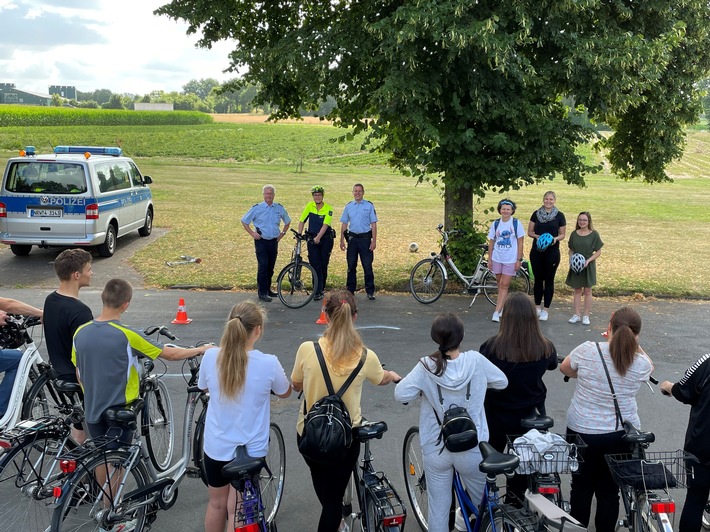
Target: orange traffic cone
(181, 316)
(323, 319)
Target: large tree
(475, 93)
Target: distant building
(10, 94)
(65, 91)
(138, 106)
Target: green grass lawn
(205, 178)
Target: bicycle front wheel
(157, 425)
(198, 443)
(414, 477)
(296, 284)
(271, 478)
(28, 474)
(427, 281)
(90, 494)
(42, 399)
(519, 283)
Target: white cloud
(101, 44)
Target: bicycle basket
(546, 452)
(658, 470)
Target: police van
(79, 196)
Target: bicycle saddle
(124, 415)
(537, 421)
(67, 386)
(494, 462)
(634, 435)
(369, 430)
(243, 465)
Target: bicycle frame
(31, 360)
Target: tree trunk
(458, 205)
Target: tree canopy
(476, 92)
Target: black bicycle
(298, 281)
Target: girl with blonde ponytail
(240, 380)
(342, 349)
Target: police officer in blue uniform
(359, 229)
(266, 218)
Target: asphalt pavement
(396, 327)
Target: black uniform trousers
(360, 247)
(266, 253)
(319, 258)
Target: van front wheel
(108, 248)
(21, 250)
(148, 226)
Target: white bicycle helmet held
(577, 263)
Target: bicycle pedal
(192, 472)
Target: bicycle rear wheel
(86, 496)
(706, 517)
(427, 281)
(296, 284)
(414, 477)
(28, 473)
(157, 425)
(502, 522)
(271, 481)
(42, 399)
(519, 283)
(647, 521)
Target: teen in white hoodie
(452, 370)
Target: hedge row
(21, 115)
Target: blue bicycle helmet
(544, 241)
(577, 262)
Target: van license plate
(45, 213)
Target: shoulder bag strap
(619, 419)
(441, 399)
(353, 374)
(324, 368)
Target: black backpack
(458, 431)
(327, 427)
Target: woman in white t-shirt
(593, 414)
(505, 250)
(240, 380)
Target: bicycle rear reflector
(5, 444)
(57, 492)
(548, 490)
(67, 466)
(251, 527)
(667, 507)
(393, 520)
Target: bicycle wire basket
(562, 456)
(658, 470)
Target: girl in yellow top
(342, 348)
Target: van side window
(103, 182)
(135, 175)
(118, 177)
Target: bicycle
(491, 515)
(29, 469)
(380, 507)
(33, 395)
(106, 487)
(543, 469)
(248, 474)
(429, 276)
(297, 282)
(644, 479)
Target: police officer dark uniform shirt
(266, 217)
(360, 229)
(319, 216)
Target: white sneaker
(538, 310)
(574, 319)
(459, 523)
(543, 315)
(496, 316)
(343, 526)
(585, 320)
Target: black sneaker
(273, 294)
(371, 297)
(265, 298)
(317, 297)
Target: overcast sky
(101, 44)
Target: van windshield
(46, 178)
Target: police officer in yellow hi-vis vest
(319, 216)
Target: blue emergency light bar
(94, 150)
(29, 151)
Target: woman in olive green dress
(584, 240)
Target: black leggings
(329, 483)
(696, 499)
(544, 265)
